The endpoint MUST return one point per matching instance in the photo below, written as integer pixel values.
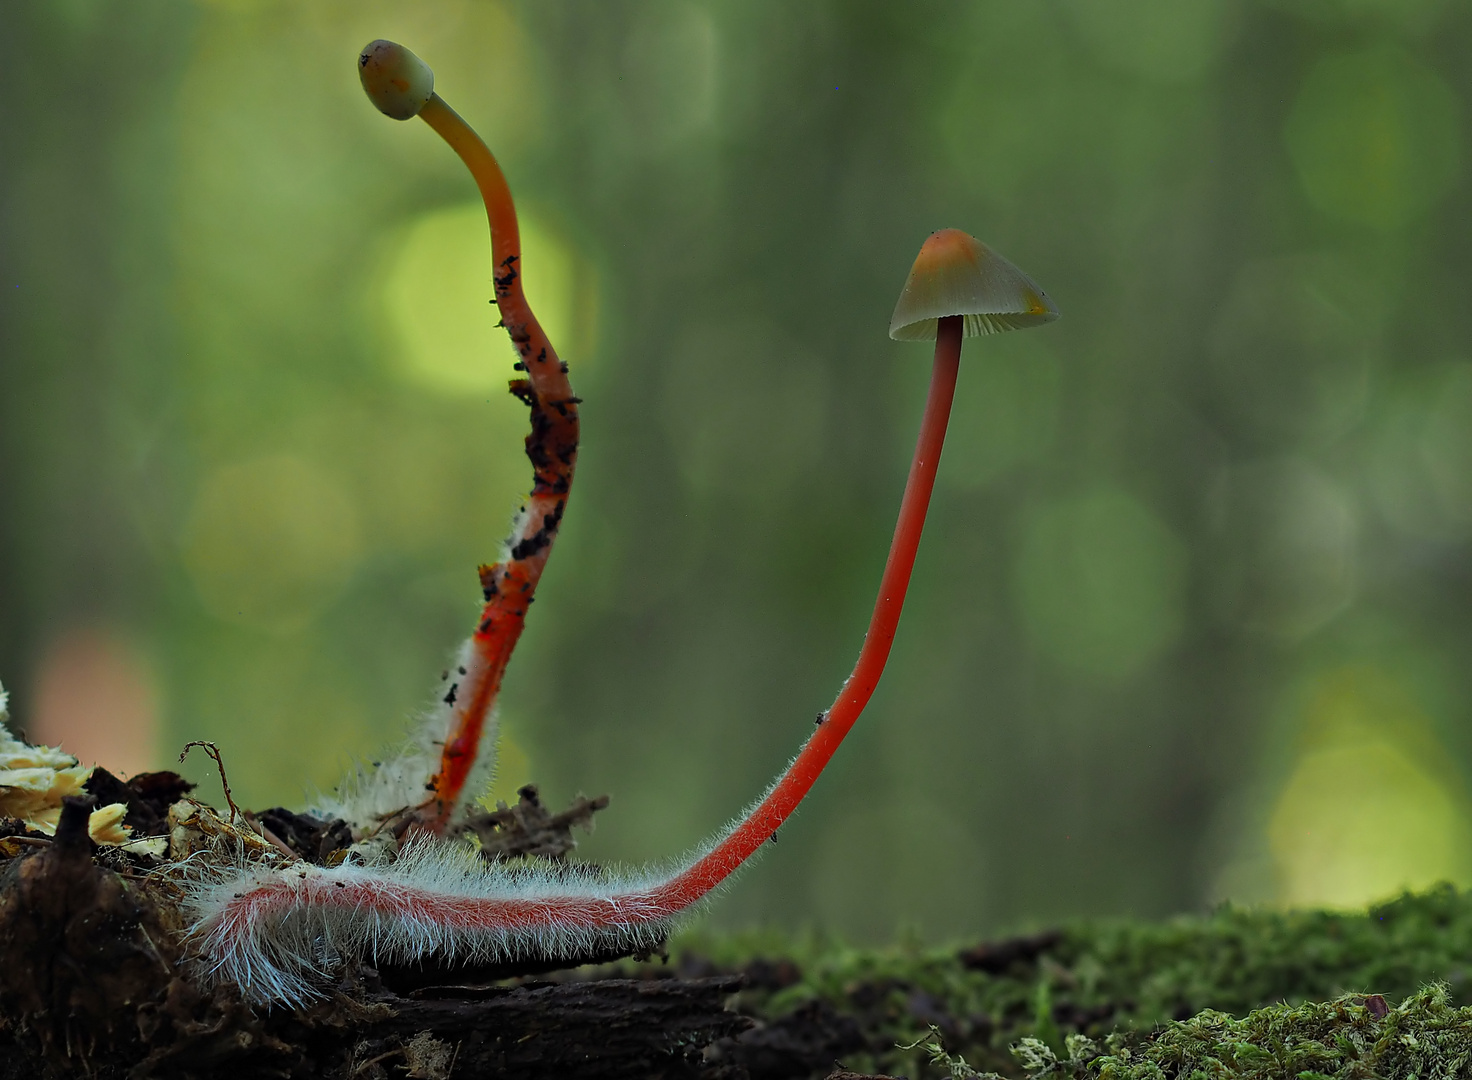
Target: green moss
(1424, 1037)
(1121, 995)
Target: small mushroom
(957, 288)
(401, 86)
(395, 80)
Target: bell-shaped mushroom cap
(395, 80)
(956, 274)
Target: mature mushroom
(957, 288)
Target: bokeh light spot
(1364, 813)
(97, 698)
(271, 542)
(1374, 137)
(437, 291)
(1101, 582)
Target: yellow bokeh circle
(436, 294)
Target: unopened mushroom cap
(395, 80)
(956, 274)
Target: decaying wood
(94, 981)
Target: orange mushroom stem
(402, 86)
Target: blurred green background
(1191, 620)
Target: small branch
(214, 751)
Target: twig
(214, 751)
(396, 1052)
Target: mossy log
(94, 981)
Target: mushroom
(401, 86)
(957, 288)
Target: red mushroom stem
(792, 786)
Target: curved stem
(764, 819)
(552, 447)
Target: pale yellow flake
(34, 779)
(105, 826)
